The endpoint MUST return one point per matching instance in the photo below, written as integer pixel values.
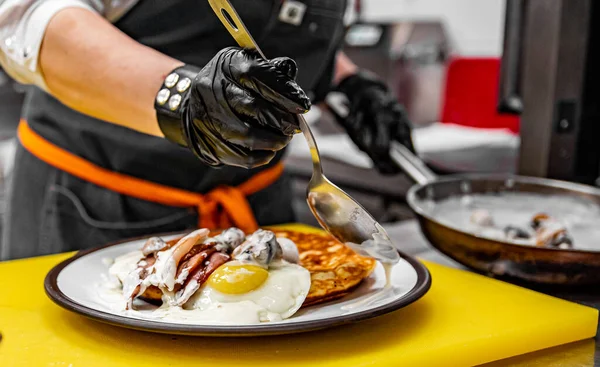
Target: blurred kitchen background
(443, 60)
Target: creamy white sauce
(183, 276)
(124, 264)
(581, 217)
(189, 289)
(240, 313)
(289, 249)
(378, 296)
(162, 273)
(378, 247)
(279, 297)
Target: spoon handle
(232, 22)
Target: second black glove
(375, 119)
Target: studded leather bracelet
(170, 101)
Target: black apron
(51, 211)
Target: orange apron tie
(222, 207)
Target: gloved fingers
(258, 138)
(286, 66)
(386, 167)
(403, 129)
(406, 139)
(360, 134)
(379, 119)
(201, 145)
(273, 118)
(277, 88)
(382, 125)
(237, 122)
(263, 113)
(215, 151)
(249, 135)
(234, 155)
(380, 149)
(354, 124)
(269, 80)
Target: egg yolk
(237, 279)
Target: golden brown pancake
(334, 268)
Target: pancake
(334, 268)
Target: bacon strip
(199, 276)
(143, 266)
(190, 265)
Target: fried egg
(261, 294)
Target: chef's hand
(375, 119)
(239, 110)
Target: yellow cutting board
(464, 320)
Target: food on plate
(542, 230)
(335, 269)
(229, 276)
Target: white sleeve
(22, 27)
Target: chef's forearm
(92, 67)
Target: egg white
(279, 297)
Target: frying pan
(489, 256)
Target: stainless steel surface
(342, 216)
(555, 47)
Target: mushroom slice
(260, 247)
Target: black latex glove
(239, 110)
(375, 119)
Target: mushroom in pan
(550, 232)
(482, 217)
(514, 233)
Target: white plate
(75, 284)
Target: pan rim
(411, 199)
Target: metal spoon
(336, 211)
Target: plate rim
(421, 287)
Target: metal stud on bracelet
(162, 96)
(171, 80)
(174, 102)
(183, 85)
(171, 99)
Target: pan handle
(412, 165)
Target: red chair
(471, 95)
